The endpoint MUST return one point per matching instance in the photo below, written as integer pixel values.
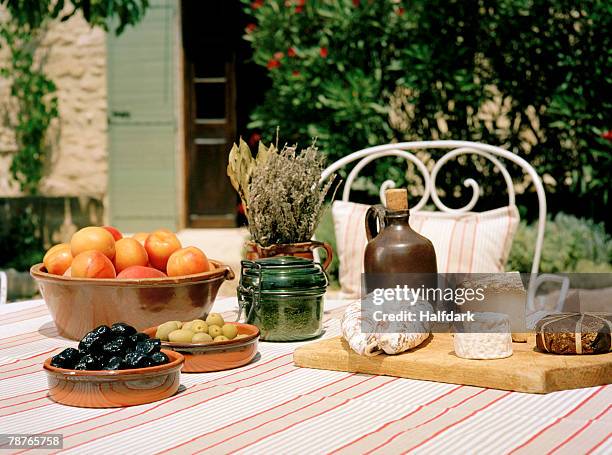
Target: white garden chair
(455, 148)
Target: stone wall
(75, 59)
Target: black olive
(149, 347)
(116, 347)
(137, 360)
(68, 358)
(88, 362)
(114, 363)
(94, 340)
(122, 329)
(159, 358)
(138, 337)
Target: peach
(93, 238)
(58, 259)
(141, 237)
(138, 271)
(160, 245)
(129, 252)
(187, 261)
(92, 264)
(114, 232)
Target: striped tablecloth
(272, 407)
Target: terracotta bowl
(112, 389)
(222, 355)
(79, 305)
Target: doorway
(222, 86)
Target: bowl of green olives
(113, 367)
(210, 344)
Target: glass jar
(283, 296)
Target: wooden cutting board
(527, 370)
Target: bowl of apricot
(144, 280)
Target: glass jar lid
(283, 274)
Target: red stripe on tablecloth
(195, 438)
(234, 372)
(599, 444)
(25, 338)
(580, 430)
(535, 436)
(277, 418)
(29, 409)
(368, 391)
(457, 422)
(38, 370)
(425, 422)
(391, 422)
(24, 315)
(280, 430)
(34, 356)
(224, 393)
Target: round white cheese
(486, 337)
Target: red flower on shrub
(300, 2)
(607, 135)
(291, 52)
(257, 4)
(356, 2)
(400, 11)
(299, 9)
(278, 55)
(323, 52)
(251, 27)
(254, 139)
(273, 63)
(295, 73)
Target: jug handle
(375, 213)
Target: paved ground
(224, 245)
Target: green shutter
(142, 109)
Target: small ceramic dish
(114, 388)
(216, 356)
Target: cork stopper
(397, 199)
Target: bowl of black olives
(113, 367)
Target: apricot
(93, 238)
(141, 237)
(129, 252)
(160, 245)
(114, 232)
(92, 264)
(187, 261)
(58, 259)
(138, 271)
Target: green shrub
(570, 245)
(528, 75)
(21, 244)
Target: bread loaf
(575, 333)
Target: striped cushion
(467, 242)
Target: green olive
(215, 319)
(221, 338)
(215, 330)
(201, 338)
(187, 325)
(199, 327)
(179, 324)
(164, 329)
(180, 336)
(230, 331)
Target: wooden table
(271, 406)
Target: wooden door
(210, 116)
(142, 118)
